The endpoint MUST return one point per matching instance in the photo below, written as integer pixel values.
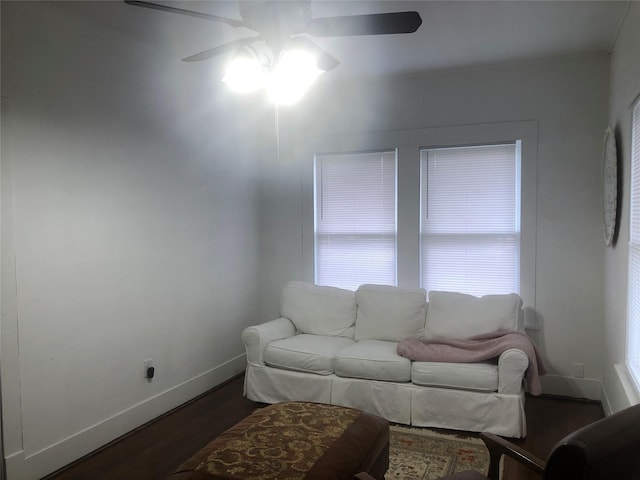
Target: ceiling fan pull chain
(277, 125)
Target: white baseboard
(589, 388)
(34, 466)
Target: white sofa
(339, 347)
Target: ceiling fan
(283, 24)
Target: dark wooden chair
(608, 449)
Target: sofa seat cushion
(373, 360)
(305, 353)
(481, 376)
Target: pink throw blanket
(476, 349)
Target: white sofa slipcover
(339, 347)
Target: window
(362, 207)
(633, 307)
(355, 218)
(470, 219)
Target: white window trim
(409, 143)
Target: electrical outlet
(148, 363)
(578, 370)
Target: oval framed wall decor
(609, 186)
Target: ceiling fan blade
(324, 60)
(156, 6)
(372, 24)
(220, 49)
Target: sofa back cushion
(390, 313)
(457, 315)
(319, 310)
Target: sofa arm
(257, 337)
(511, 367)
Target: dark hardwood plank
(155, 450)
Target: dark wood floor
(154, 451)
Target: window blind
(470, 220)
(633, 308)
(355, 219)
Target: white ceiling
(457, 34)
(454, 34)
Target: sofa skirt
(403, 403)
(471, 411)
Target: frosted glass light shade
(291, 78)
(244, 75)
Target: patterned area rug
(423, 454)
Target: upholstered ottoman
(295, 440)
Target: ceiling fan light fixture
(284, 24)
(244, 74)
(292, 76)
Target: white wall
(129, 231)
(625, 86)
(567, 97)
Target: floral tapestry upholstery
(295, 441)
